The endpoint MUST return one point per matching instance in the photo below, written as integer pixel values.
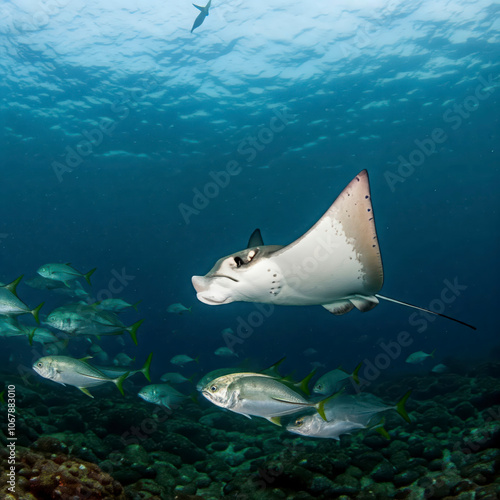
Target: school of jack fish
(334, 407)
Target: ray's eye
(299, 422)
(238, 261)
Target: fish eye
(238, 261)
(251, 254)
(299, 422)
(213, 388)
(319, 387)
(39, 364)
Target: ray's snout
(200, 283)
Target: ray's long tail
(424, 310)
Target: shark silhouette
(201, 16)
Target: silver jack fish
(257, 395)
(12, 305)
(70, 371)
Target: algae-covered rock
(136, 453)
(367, 461)
(345, 485)
(321, 484)
(383, 472)
(405, 478)
(184, 448)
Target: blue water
(346, 87)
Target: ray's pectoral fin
(344, 245)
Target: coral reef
(48, 474)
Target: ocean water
(131, 145)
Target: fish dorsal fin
(255, 239)
(12, 286)
(320, 407)
(85, 358)
(273, 369)
(344, 247)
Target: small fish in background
(317, 364)
(182, 359)
(123, 359)
(225, 352)
(345, 414)
(55, 348)
(201, 16)
(419, 356)
(9, 327)
(175, 378)
(98, 353)
(74, 289)
(116, 371)
(12, 305)
(115, 305)
(310, 352)
(64, 273)
(120, 341)
(41, 335)
(161, 394)
(178, 309)
(440, 369)
(41, 283)
(76, 372)
(334, 380)
(84, 319)
(314, 426)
